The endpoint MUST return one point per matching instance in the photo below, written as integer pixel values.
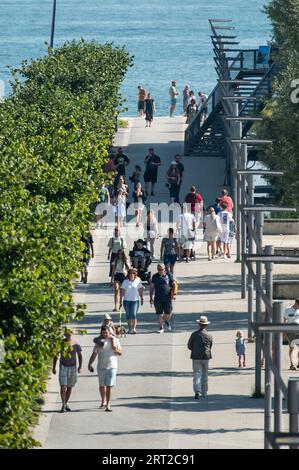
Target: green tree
(282, 111)
(55, 131)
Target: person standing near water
(150, 108)
(173, 94)
(141, 99)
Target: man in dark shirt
(163, 286)
(200, 344)
(152, 162)
(121, 161)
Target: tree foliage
(55, 130)
(282, 112)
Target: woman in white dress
(212, 229)
(121, 208)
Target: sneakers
(168, 325)
(196, 396)
(63, 409)
(67, 408)
(108, 408)
(292, 367)
(161, 329)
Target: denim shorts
(170, 259)
(107, 377)
(131, 308)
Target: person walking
(195, 204)
(121, 207)
(151, 232)
(181, 168)
(203, 106)
(169, 250)
(116, 243)
(173, 182)
(241, 348)
(120, 269)
(87, 254)
(141, 99)
(186, 227)
(212, 229)
(131, 291)
(139, 199)
(291, 315)
(192, 109)
(136, 176)
(173, 94)
(109, 323)
(121, 161)
(150, 108)
(226, 199)
(68, 368)
(102, 206)
(162, 293)
(200, 344)
(152, 162)
(107, 350)
(185, 99)
(224, 217)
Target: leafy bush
(55, 130)
(282, 114)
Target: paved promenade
(153, 404)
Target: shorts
(185, 243)
(224, 237)
(67, 376)
(173, 101)
(131, 308)
(170, 259)
(140, 105)
(163, 306)
(107, 377)
(119, 277)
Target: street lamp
(53, 24)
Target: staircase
(240, 76)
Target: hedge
(55, 130)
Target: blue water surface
(170, 39)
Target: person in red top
(225, 199)
(196, 204)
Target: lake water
(169, 39)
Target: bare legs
(105, 393)
(65, 393)
(116, 294)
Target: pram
(141, 257)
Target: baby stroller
(141, 257)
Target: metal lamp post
(53, 24)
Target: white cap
(107, 316)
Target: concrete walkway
(153, 405)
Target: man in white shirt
(291, 315)
(186, 225)
(107, 349)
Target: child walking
(241, 348)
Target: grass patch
(123, 124)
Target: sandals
(292, 367)
(108, 408)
